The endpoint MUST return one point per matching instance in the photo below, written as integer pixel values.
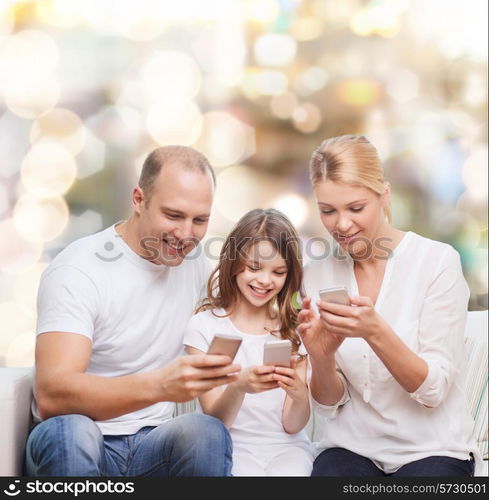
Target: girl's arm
(225, 404)
(296, 409)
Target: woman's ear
(386, 195)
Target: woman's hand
(256, 379)
(291, 382)
(347, 321)
(318, 340)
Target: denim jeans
(72, 445)
(340, 462)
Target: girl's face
(353, 215)
(263, 275)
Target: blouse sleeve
(331, 411)
(441, 329)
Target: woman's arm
(428, 373)
(326, 386)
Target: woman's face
(353, 215)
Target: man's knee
(56, 439)
(197, 428)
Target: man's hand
(188, 376)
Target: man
(112, 308)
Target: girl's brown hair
(258, 225)
(350, 159)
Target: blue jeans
(339, 462)
(72, 445)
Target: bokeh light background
(88, 88)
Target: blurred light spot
(403, 86)
(92, 157)
(307, 118)
(236, 192)
(359, 92)
(174, 121)
(4, 202)
(13, 137)
(271, 82)
(40, 219)
(27, 54)
(117, 125)
(16, 253)
(474, 173)
(7, 21)
(311, 80)
(293, 206)
(27, 284)
(262, 11)
(221, 52)
(381, 18)
(61, 13)
(29, 98)
(479, 265)
(15, 320)
(62, 126)
(273, 49)
(225, 140)
(307, 28)
(171, 74)
(475, 90)
(48, 169)
(20, 352)
(283, 105)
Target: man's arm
(63, 387)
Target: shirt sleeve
(331, 411)
(195, 333)
(441, 330)
(67, 301)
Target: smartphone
(336, 294)
(277, 352)
(224, 344)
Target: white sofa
(16, 396)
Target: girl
(250, 296)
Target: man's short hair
(186, 157)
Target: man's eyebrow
(179, 212)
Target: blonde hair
(349, 159)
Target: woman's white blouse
(423, 297)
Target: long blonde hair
(258, 225)
(350, 159)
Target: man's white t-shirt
(133, 311)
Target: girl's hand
(347, 321)
(290, 381)
(318, 340)
(256, 379)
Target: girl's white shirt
(423, 297)
(259, 421)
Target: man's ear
(138, 199)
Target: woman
(385, 369)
